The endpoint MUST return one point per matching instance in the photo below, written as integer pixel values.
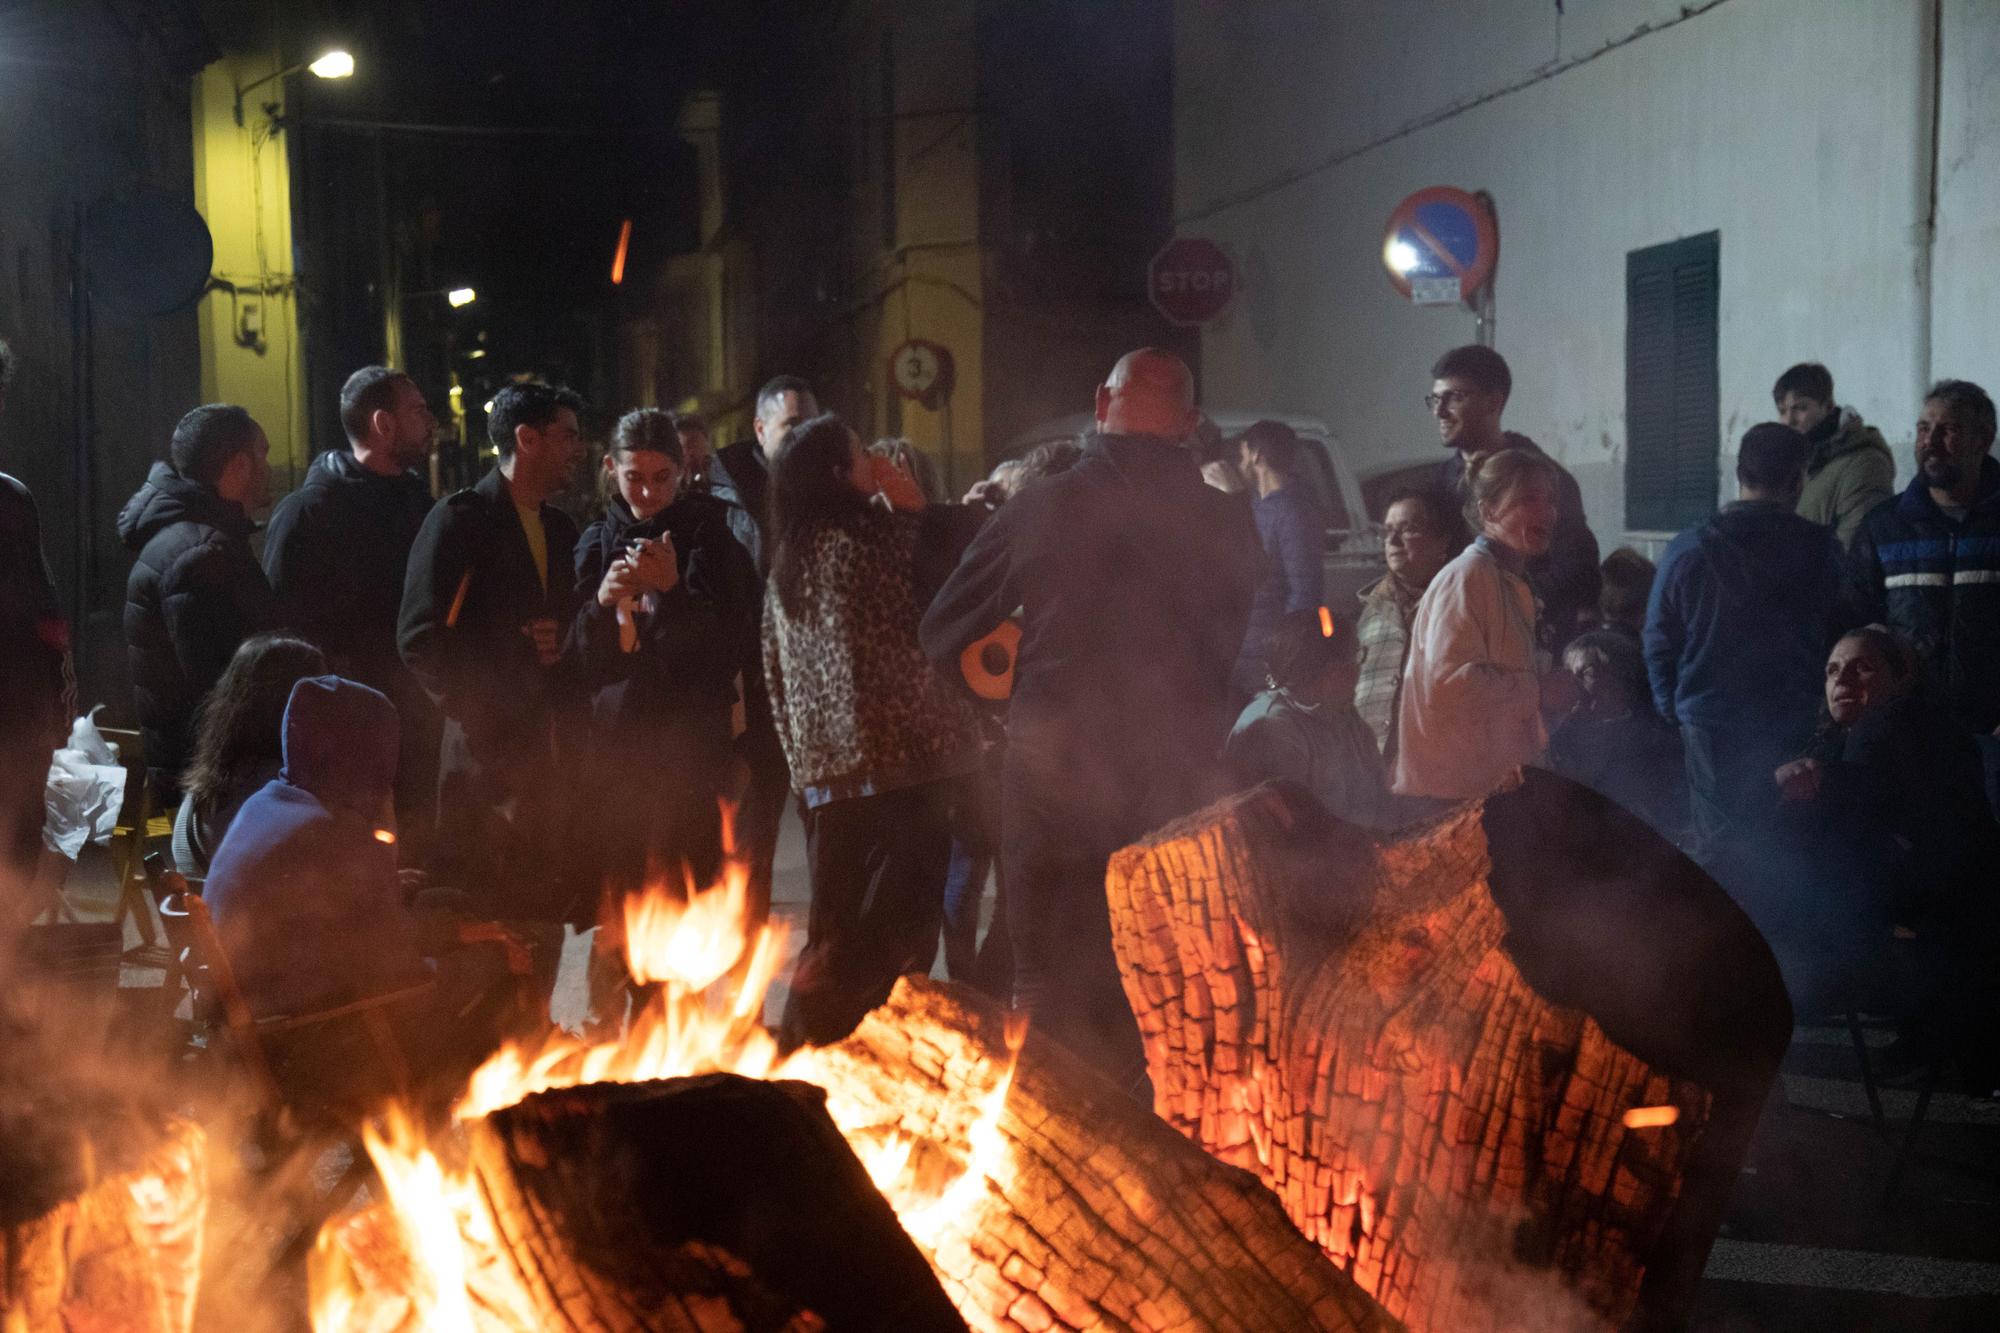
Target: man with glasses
(336, 552)
(1469, 390)
(1927, 563)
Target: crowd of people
(467, 706)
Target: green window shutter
(1672, 397)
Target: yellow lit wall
(249, 337)
(928, 283)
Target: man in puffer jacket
(196, 590)
(1849, 469)
(1928, 562)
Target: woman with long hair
(1474, 689)
(239, 741)
(878, 744)
(669, 624)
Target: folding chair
(138, 827)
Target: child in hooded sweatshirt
(1305, 727)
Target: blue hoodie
(304, 892)
(1743, 611)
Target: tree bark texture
(1426, 1045)
(1098, 1215)
(123, 1254)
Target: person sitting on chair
(306, 897)
(239, 745)
(1305, 726)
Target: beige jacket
(1471, 710)
(1846, 476)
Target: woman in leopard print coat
(878, 744)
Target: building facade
(1777, 180)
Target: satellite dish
(148, 254)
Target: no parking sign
(1441, 245)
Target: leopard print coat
(858, 708)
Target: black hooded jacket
(1134, 580)
(689, 648)
(195, 593)
(740, 478)
(336, 552)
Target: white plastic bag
(86, 789)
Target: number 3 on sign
(918, 366)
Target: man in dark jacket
(1134, 581)
(1742, 613)
(1928, 562)
(1469, 390)
(486, 605)
(36, 693)
(1293, 533)
(740, 476)
(196, 590)
(338, 548)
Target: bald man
(1133, 581)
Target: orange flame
(707, 974)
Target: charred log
(1428, 1047)
(658, 1205)
(1095, 1213)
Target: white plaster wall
(1797, 128)
(1966, 266)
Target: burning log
(1432, 1049)
(122, 1251)
(1085, 1211)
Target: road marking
(1850, 1270)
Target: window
(1672, 402)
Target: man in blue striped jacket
(1927, 563)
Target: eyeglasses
(1449, 398)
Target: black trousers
(878, 865)
(1056, 839)
(762, 808)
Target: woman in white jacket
(1473, 692)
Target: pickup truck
(1353, 537)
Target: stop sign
(1190, 280)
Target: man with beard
(1927, 563)
(336, 553)
(1470, 387)
(1134, 582)
(487, 604)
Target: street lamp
(461, 296)
(335, 64)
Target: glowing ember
(1651, 1117)
(705, 975)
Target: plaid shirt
(1384, 630)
